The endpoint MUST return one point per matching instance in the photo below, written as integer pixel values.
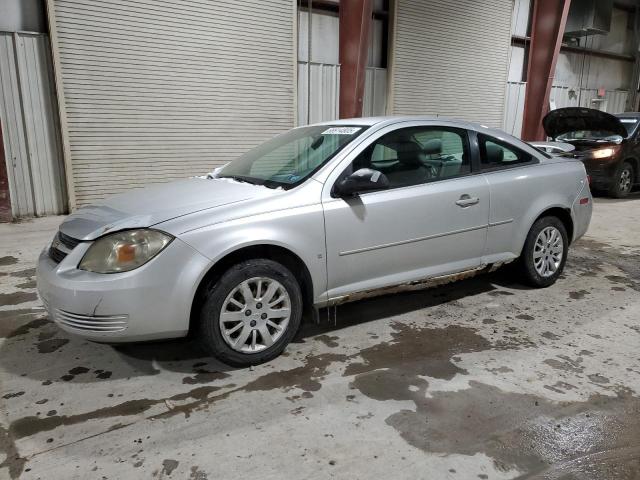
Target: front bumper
(601, 171)
(148, 303)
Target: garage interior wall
(321, 75)
(450, 58)
(156, 90)
(580, 77)
(581, 70)
(29, 115)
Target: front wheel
(545, 252)
(251, 313)
(623, 182)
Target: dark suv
(609, 145)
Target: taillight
(584, 201)
(589, 179)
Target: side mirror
(360, 181)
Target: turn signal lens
(124, 251)
(606, 152)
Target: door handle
(467, 201)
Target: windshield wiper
(239, 178)
(585, 139)
(254, 181)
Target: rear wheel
(545, 252)
(623, 181)
(251, 313)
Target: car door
(431, 221)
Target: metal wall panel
(614, 101)
(13, 127)
(324, 86)
(156, 90)
(325, 92)
(592, 72)
(514, 106)
(375, 92)
(30, 119)
(450, 58)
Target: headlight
(604, 152)
(124, 251)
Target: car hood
(571, 119)
(149, 206)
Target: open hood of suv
(571, 119)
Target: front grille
(92, 323)
(67, 241)
(56, 255)
(61, 246)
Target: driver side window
(417, 155)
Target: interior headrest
(409, 153)
(433, 147)
(495, 154)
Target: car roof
(390, 119)
(382, 121)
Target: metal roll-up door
(155, 90)
(450, 58)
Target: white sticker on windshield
(341, 130)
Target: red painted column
(547, 28)
(5, 199)
(355, 25)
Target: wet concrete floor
(482, 379)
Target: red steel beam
(547, 28)
(5, 198)
(355, 25)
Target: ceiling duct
(589, 17)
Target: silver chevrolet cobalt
(319, 215)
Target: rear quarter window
(496, 154)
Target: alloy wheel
(625, 180)
(255, 314)
(547, 251)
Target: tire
(228, 296)
(623, 181)
(535, 270)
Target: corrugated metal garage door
(161, 89)
(450, 58)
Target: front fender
(299, 230)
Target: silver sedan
(319, 215)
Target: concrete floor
(483, 379)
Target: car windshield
(589, 135)
(630, 124)
(289, 159)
